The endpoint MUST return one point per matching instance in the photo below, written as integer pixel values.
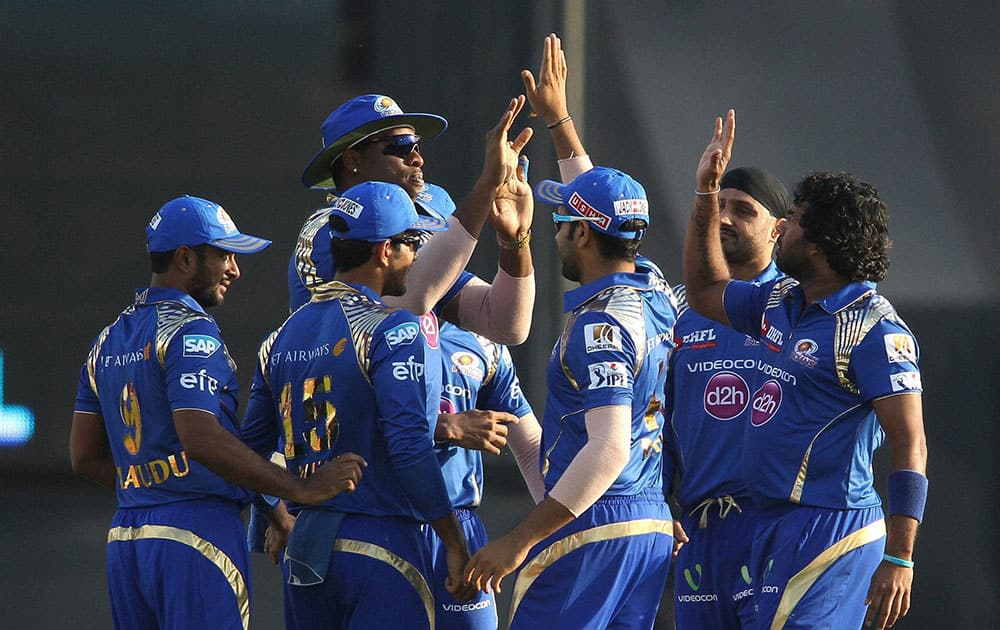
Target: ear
(185, 259)
(382, 253)
(351, 160)
(583, 233)
(774, 229)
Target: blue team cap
(606, 196)
(192, 221)
(358, 119)
(375, 211)
(435, 200)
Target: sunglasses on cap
(558, 219)
(399, 146)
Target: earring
(354, 170)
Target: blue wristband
(907, 493)
(898, 561)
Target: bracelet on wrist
(562, 120)
(514, 243)
(897, 561)
(708, 192)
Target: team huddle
(726, 426)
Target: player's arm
(90, 452)
(208, 443)
(548, 100)
(447, 254)
(587, 477)
(705, 271)
(475, 429)
(525, 440)
(901, 417)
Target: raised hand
(548, 97)
(501, 161)
(716, 157)
(514, 205)
(342, 474)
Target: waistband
(649, 495)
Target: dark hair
(613, 247)
(160, 261)
(846, 219)
(348, 253)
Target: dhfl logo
(766, 402)
(773, 335)
(726, 396)
(585, 209)
(429, 326)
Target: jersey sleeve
(885, 362)
(261, 426)
(86, 399)
(406, 376)
(745, 303)
(602, 358)
(503, 392)
(196, 366)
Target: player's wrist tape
(907, 494)
(708, 192)
(897, 561)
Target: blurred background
(111, 108)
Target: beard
(204, 288)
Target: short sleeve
(602, 358)
(885, 362)
(196, 367)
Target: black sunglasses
(399, 146)
(413, 241)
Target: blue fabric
(809, 412)
(713, 587)
(614, 350)
(359, 592)
(480, 613)
(308, 554)
(907, 493)
(788, 539)
(160, 583)
(615, 583)
(193, 372)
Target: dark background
(111, 108)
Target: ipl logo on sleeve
(900, 348)
(906, 381)
(607, 374)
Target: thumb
(529, 81)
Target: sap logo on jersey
(602, 337)
(199, 380)
(726, 395)
(402, 335)
(607, 374)
(202, 346)
(900, 348)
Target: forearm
(476, 207)
(705, 270)
(525, 439)
(206, 442)
(571, 167)
(599, 462)
(543, 520)
(565, 139)
(501, 311)
(90, 453)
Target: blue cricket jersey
(712, 370)
(812, 433)
(162, 354)
(346, 373)
(476, 374)
(613, 350)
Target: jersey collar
(151, 295)
(584, 293)
(840, 299)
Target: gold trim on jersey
(624, 303)
(407, 570)
(363, 316)
(212, 553)
(854, 321)
(799, 583)
(94, 354)
(546, 557)
(800, 477)
(492, 351)
(305, 267)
